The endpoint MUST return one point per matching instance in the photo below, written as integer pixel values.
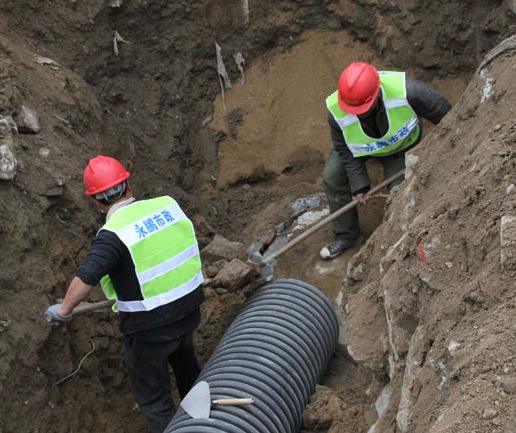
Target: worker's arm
(355, 167)
(77, 292)
(101, 258)
(425, 101)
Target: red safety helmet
(359, 85)
(102, 173)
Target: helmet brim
(93, 191)
(358, 109)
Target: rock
(212, 269)
(405, 414)
(508, 242)
(453, 347)
(27, 121)
(365, 329)
(221, 248)
(235, 274)
(489, 413)
(55, 190)
(509, 385)
(383, 400)
(8, 161)
(411, 163)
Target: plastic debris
(48, 62)
(223, 75)
(239, 60)
(421, 252)
(245, 7)
(116, 39)
(221, 68)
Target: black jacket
(427, 104)
(109, 255)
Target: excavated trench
(239, 158)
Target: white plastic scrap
(222, 73)
(245, 6)
(487, 90)
(46, 61)
(240, 61)
(116, 39)
(221, 69)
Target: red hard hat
(359, 85)
(102, 173)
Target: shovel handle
(92, 307)
(330, 218)
(83, 308)
(233, 401)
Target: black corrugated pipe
(275, 351)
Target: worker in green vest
(371, 115)
(147, 260)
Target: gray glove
(53, 316)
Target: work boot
(338, 246)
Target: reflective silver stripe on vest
(169, 264)
(347, 120)
(395, 103)
(401, 134)
(165, 298)
(352, 118)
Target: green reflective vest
(403, 122)
(163, 246)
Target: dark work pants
(147, 363)
(338, 191)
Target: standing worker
(371, 115)
(147, 259)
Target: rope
(80, 364)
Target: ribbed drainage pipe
(275, 351)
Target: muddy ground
(426, 305)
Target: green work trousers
(338, 191)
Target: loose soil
(426, 305)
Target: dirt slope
(441, 292)
(426, 305)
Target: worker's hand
(362, 198)
(53, 315)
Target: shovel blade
(197, 402)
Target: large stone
(365, 329)
(27, 121)
(235, 275)
(221, 248)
